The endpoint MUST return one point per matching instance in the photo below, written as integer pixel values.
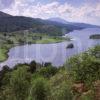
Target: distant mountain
(57, 19)
(9, 23)
(2, 14)
(82, 25)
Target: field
(50, 40)
(4, 48)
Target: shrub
(85, 68)
(19, 83)
(32, 66)
(95, 51)
(39, 89)
(63, 92)
(48, 71)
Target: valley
(48, 59)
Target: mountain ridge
(84, 25)
(2, 14)
(57, 19)
(9, 23)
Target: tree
(47, 64)
(85, 68)
(19, 83)
(39, 90)
(48, 71)
(32, 66)
(3, 73)
(64, 93)
(95, 51)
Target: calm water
(55, 53)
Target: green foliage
(47, 64)
(32, 66)
(19, 83)
(4, 75)
(88, 96)
(64, 93)
(95, 52)
(61, 85)
(44, 82)
(48, 71)
(3, 52)
(6, 94)
(85, 68)
(39, 89)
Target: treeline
(44, 82)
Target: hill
(60, 20)
(82, 25)
(9, 23)
(2, 14)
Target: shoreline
(13, 45)
(64, 39)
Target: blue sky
(87, 11)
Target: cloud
(84, 13)
(6, 3)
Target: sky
(86, 11)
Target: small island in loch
(70, 46)
(95, 36)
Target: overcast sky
(87, 11)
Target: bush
(3, 73)
(19, 83)
(47, 64)
(85, 68)
(88, 96)
(95, 51)
(48, 71)
(39, 90)
(62, 92)
(32, 66)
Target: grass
(50, 40)
(4, 49)
(3, 55)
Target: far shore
(6, 47)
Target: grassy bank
(47, 40)
(3, 54)
(4, 49)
